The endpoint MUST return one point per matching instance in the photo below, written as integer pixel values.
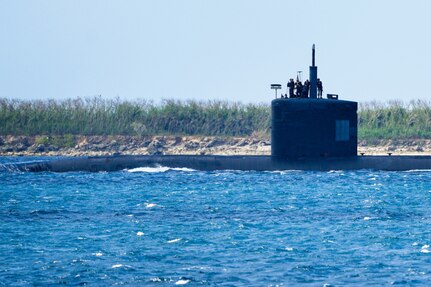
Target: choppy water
(161, 227)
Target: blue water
(159, 227)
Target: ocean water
(164, 227)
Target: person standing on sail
(298, 87)
(319, 88)
(305, 89)
(291, 86)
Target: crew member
(298, 87)
(319, 88)
(291, 86)
(305, 89)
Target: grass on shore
(395, 120)
(98, 116)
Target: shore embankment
(196, 145)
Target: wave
(284, 171)
(418, 170)
(159, 169)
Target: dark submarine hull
(216, 162)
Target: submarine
(308, 132)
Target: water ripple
(231, 228)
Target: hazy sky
(202, 49)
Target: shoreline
(176, 145)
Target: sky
(368, 50)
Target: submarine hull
(213, 162)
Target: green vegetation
(98, 116)
(60, 120)
(395, 120)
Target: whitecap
(418, 170)
(150, 205)
(288, 249)
(98, 254)
(159, 169)
(149, 169)
(367, 218)
(183, 169)
(174, 240)
(139, 233)
(425, 249)
(283, 171)
(182, 282)
(126, 267)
